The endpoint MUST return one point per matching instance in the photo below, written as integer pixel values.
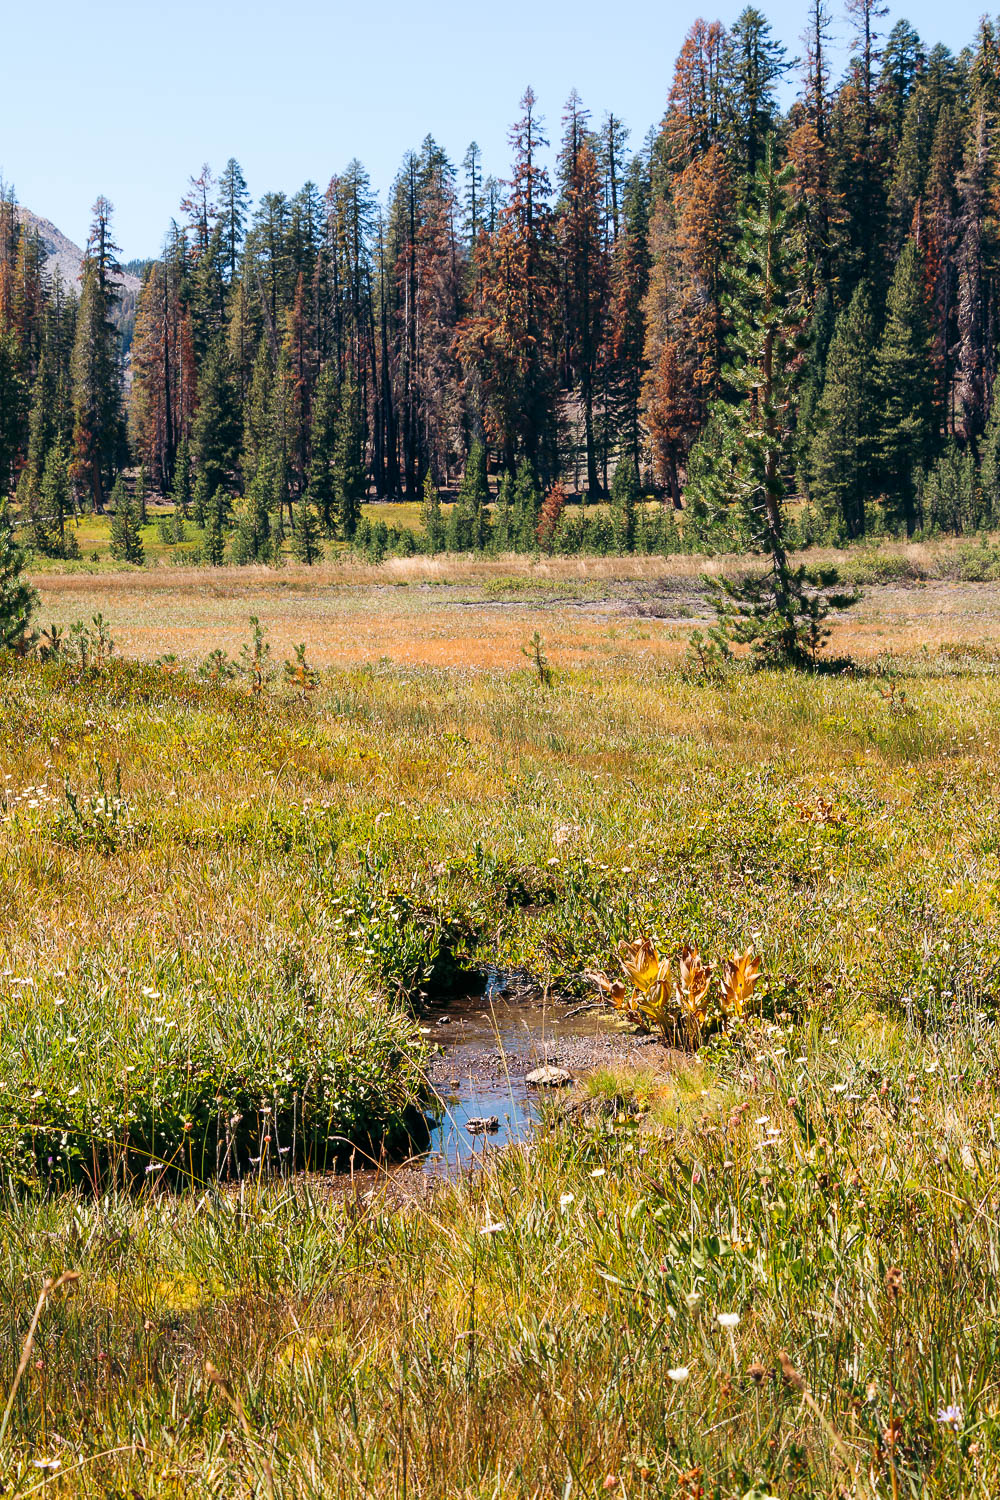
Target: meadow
(769, 1267)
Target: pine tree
(126, 539)
(306, 543)
(584, 271)
(233, 202)
(214, 544)
(253, 540)
(98, 432)
(473, 497)
(216, 431)
(753, 63)
(951, 497)
(840, 461)
(13, 407)
(17, 598)
(322, 448)
(35, 525)
(989, 467)
(779, 613)
(904, 385)
(349, 481)
(624, 328)
(625, 494)
(527, 503)
(181, 492)
(431, 516)
(503, 516)
(56, 495)
(466, 530)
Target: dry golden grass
(461, 613)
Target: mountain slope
(62, 255)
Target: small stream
(489, 1042)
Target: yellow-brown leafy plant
(738, 982)
(822, 811)
(685, 1005)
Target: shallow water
(489, 1043)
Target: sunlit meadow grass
(246, 915)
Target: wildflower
(494, 1228)
(565, 1200)
(692, 1301)
(597, 1172)
(950, 1416)
(727, 1320)
(679, 1374)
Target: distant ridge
(62, 255)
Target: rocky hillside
(62, 255)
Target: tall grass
(219, 905)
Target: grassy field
(221, 895)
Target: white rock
(548, 1077)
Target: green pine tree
(904, 386)
(780, 612)
(126, 540)
(349, 479)
(322, 448)
(989, 466)
(215, 434)
(527, 504)
(56, 495)
(214, 545)
(34, 523)
(13, 406)
(17, 598)
(625, 494)
(470, 514)
(461, 530)
(253, 540)
(503, 516)
(180, 494)
(306, 536)
(431, 515)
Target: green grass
(232, 911)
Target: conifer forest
(512, 339)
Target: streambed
(489, 1044)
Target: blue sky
(129, 100)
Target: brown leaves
(738, 982)
(692, 989)
(640, 962)
(789, 1373)
(684, 1005)
(822, 811)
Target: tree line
(818, 286)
